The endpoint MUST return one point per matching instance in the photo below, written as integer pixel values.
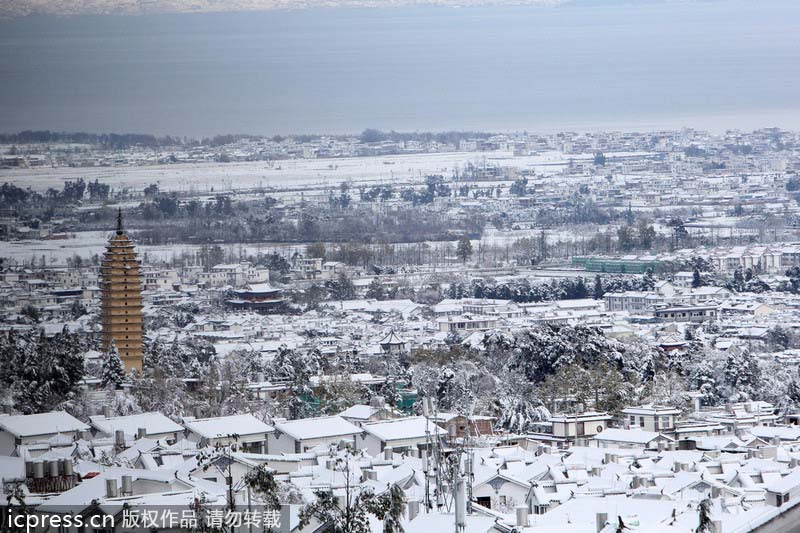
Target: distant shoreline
(26, 8)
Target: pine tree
(113, 369)
(598, 291)
(704, 510)
(697, 281)
(375, 291)
(742, 373)
(738, 280)
(38, 373)
(464, 249)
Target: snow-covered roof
(153, 423)
(391, 338)
(214, 428)
(317, 428)
(634, 436)
(651, 410)
(402, 428)
(359, 412)
(260, 287)
(41, 424)
(784, 433)
(786, 484)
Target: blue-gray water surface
(584, 65)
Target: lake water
(585, 65)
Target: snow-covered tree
(464, 248)
(375, 290)
(538, 352)
(742, 374)
(113, 373)
(38, 373)
(296, 367)
(350, 512)
(518, 414)
(703, 377)
(166, 394)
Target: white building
(30, 429)
(401, 434)
(249, 433)
(297, 436)
(150, 425)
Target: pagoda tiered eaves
(121, 293)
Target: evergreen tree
(375, 291)
(697, 281)
(742, 374)
(648, 281)
(704, 519)
(113, 369)
(647, 234)
(464, 249)
(342, 288)
(38, 373)
(738, 280)
(598, 291)
(519, 187)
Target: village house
(246, 431)
(154, 426)
(298, 436)
(580, 426)
(400, 434)
(651, 418)
(629, 438)
(460, 426)
(19, 430)
(465, 323)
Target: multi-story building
(121, 299)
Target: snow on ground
(202, 177)
(89, 243)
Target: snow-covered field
(205, 177)
(88, 243)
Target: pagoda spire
(119, 222)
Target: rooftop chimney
(111, 488)
(461, 505)
(119, 439)
(127, 486)
(377, 401)
(413, 509)
(522, 516)
(601, 520)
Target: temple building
(121, 304)
(260, 297)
